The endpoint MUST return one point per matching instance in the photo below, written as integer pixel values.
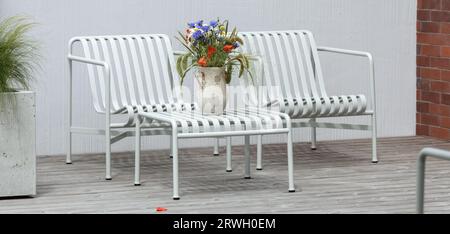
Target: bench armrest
(360, 54)
(71, 58)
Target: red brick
(418, 118)
(424, 84)
(430, 73)
(418, 94)
(430, 50)
(422, 107)
(445, 98)
(423, 15)
(422, 130)
(432, 38)
(438, 86)
(423, 61)
(429, 4)
(445, 122)
(445, 51)
(429, 119)
(431, 97)
(434, 108)
(433, 27)
(446, 5)
(443, 63)
(438, 132)
(444, 110)
(437, 109)
(445, 28)
(445, 75)
(440, 16)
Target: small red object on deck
(161, 209)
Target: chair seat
(232, 120)
(343, 105)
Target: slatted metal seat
(193, 124)
(293, 82)
(134, 75)
(121, 72)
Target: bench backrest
(291, 63)
(142, 69)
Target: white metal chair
(121, 72)
(134, 75)
(291, 65)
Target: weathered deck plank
(336, 178)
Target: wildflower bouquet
(211, 45)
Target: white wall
(384, 27)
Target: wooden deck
(336, 178)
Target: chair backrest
(142, 69)
(291, 63)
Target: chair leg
(69, 147)
(137, 154)
(176, 196)
(229, 168)
(69, 117)
(290, 163)
(247, 157)
(374, 140)
(108, 153)
(170, 153)
(259, 153)
(216, 147)
(313, 135)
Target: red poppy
(228, 48)
(211, 51)
(202, 62)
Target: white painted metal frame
(291, 63)
(134, 75)
(421, 162)
(241, 122)
(119, 70)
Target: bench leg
(229, 168)
(290, 163)
(247, 157)
(176, 196)
(374, 139)
(313, 135)
(137, 154)
(69, 120)
(259, 153)
(216, 147)
(108, 153)
(170, 153)
(69, 147)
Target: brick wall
(433, 68)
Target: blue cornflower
(204, 28)
(235, 45)
(191, 25)
(195, 24)
(213, 23)
(197, 34)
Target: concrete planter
(18, 144)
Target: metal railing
(424, 153)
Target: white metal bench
(291, 64)
(134, 75)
